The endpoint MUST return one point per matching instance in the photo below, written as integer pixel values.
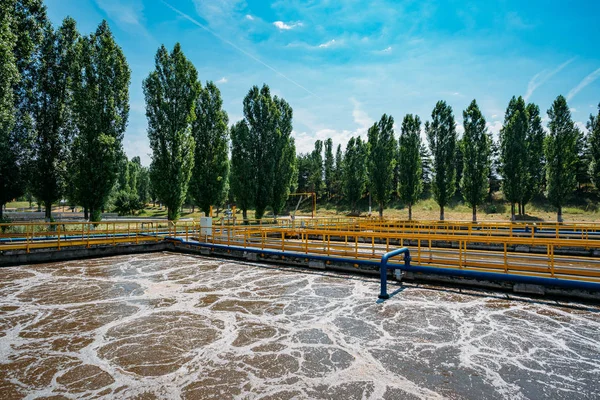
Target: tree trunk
(410, 211)
(85, 213)
(381, 210)
(559, 217)
(512, 211)
(441, 213)
(48, 213)
(1, 210)
(474, 213)
(523, 210)
(245, 216)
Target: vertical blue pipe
(383, 268)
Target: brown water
(171, 326)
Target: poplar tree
(262, 117)
(315, 179)
(338, 171)
(441, 134)
(243, 176)
(329, 168)
(593, 127)
(21, 27)
(101, 106)
(354, 171)
(410, 173)
(9, 76)
(513, 152)
(476, 152)
(561, 155)
(534, 146)
(285, 157)
(209, 182)
(52, 112)
(381, 160)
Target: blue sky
(342, 64)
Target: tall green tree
(593, 127)
(381, 160)
(209, 183)
(21, 27)
(329, 168)
(561, 155)
(513, 152)
(52, 112)
(262, 116)
(426, 170)
(9, 76)
(476, 150)
(410, 174)
(171, 91)
(285, 157)
(101, 106)
(338, 171)
(243, 177)
(441, 134)
(315, 179)
(534, 150)
(582, 167)
(355, 171)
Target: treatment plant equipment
(542, 258)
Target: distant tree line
(64, 107)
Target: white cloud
(286, 27)
(126, 14)
(573, 110)
(586, 81)
(330, 43)
(222, 80)
(541, 77)
(249, 17)
(387, 50)
(494, 128)
(305, 141)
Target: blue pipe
(384, 268)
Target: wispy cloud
(126, 14)
(222, 80)
(286, 27)
(330, 43)
(249, 17)
(192, 20)
(586, 81)
(386, 50)
(541, 77)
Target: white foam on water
(192, 327)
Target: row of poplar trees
(189, 138)
(64, 105)
(528, 160)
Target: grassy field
(585, 211)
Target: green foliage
(426, 169)
(593, 127)
(381, 160)
(315, 178)
(52, 111)
(127, 203)
(441, 134)
(329, 167)
(21, 28)
(210, 178)
(355, 171)
(101, 105)
(475, 146)
(534, 150)
(410, 173)
(285, 157)
(243, 168)
(513, 151)
(9, 76)
(338, 172)
(561, 155)
(269, 149)
(171, 91)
